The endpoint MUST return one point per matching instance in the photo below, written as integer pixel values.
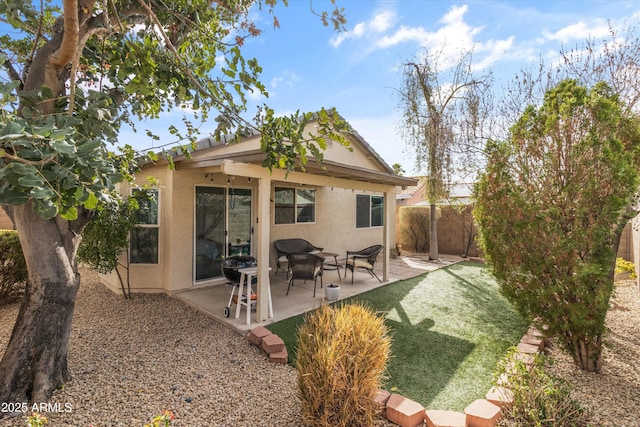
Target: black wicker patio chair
(285, 247)
(305, 266)
(363, 259)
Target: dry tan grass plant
(341, 360)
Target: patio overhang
(328, 169)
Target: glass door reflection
(239, 217)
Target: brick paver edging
(408, 413)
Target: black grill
(232, 264)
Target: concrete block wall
(454, 229)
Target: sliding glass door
(222, 228)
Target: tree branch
(3, 153)
(175, 53)
(13, 73)
(172, 48)
(65, 52)
(76, 60)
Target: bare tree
(443, 109)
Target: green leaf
(63, 147)
(42, 193)
(22, 169)
(45, 208)
(13, 197)
(30, 181)
(43, 131)
(79, 194)
(88, 146)
(62, 134)
(70, 214)
(91, 202)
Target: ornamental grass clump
(341, 360)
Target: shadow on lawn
(497, 317)
(434, 361)
(417, 371)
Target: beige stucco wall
(334, 228)
(5, 221)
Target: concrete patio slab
(212, 299)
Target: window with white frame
(145, 236)
(369, 211)
(294, 205)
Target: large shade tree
(77, 70)
(551, 208)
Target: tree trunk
(35, 361)
(587, 353)
(433, 233)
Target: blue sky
(307, 66)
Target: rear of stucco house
(221, 201)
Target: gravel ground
(131, 359)
(613, 396)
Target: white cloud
(288, 78)
(452, 38)
(380, 23)
(497, 49)
(403, 34)
(455, 33)
(579, 31)
(455, 15)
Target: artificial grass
(450, 328)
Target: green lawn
(450, 327)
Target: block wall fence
(454, 229)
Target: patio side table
(332, 265)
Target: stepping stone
(272, 344)
(533, 340)
(380, 397)
(405, 412)
(510, 365)
(527, 359)
(500, 396)
(527, 348)
(436, 418)
(503, 379)
(535, 332)
(281, 357)
(482, 413)
(257, 334)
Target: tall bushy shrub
(341, 360)
(13, 269)
(551, 207)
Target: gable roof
(211, 153)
